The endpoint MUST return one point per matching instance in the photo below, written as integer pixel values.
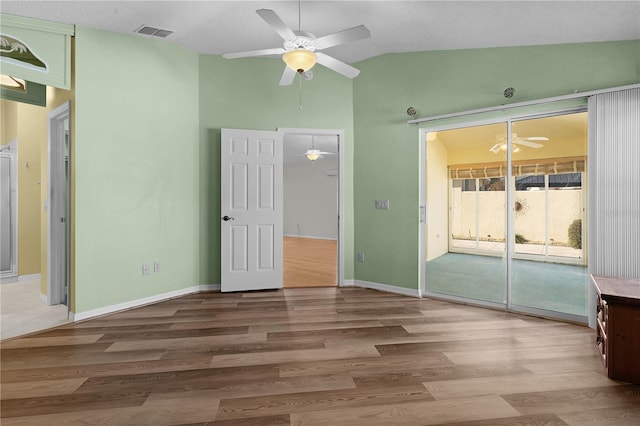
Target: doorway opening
(26, 303)
(311, 183)
(506, 214)
(59, 190)
(9, 212)
(252, 212)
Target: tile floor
(22, 312)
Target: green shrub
(520, 239)
(575, 234)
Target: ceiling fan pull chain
(300, 92)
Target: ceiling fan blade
(337, 66)
(287, 76)
(276, 23)
(537, 138)
(527, 143)
(341, 37)
(262, 52)
(496, 148)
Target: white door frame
(57, 260)
(422, 197)
(341, 150)
(10, 150)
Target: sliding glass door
(548, 268)
(466, 198)
(511, 205)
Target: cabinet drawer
(602, 310)
(601, 343)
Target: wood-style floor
(321, 356)
(310, 262)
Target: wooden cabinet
(618, 326)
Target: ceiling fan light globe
(313, 154)
(300, 60)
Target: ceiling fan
(501, 144)
(300, 50)
(313, 154)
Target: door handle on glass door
(227, 218)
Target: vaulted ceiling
(216, 27)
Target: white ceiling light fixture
(300, 60)
(501, 144)
(300, 49)
(314, 154)
(503, 147)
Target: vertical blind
(614, 179)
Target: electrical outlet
(145, 269)
(156, 266)
(361, 257)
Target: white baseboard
(311, 237)
(209, 287)
(9, 280)
(387, 288)
(213, 287)
(43, 299)
(73, 316)
(31, 277)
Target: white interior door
(252, 212)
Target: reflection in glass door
(528, 256)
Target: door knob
(227, 218)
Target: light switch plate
(382, 204)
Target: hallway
(22, 312)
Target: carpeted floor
(550, 286)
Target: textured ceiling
(216, 27)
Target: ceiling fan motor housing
(305, 41)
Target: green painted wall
(147, 147)
(386, 162)
(136, 156)
(244, 93)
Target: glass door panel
(548, 271)
(466, 222)
(530, 209)
(491, 217)
(464, 235)
(565, 194)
